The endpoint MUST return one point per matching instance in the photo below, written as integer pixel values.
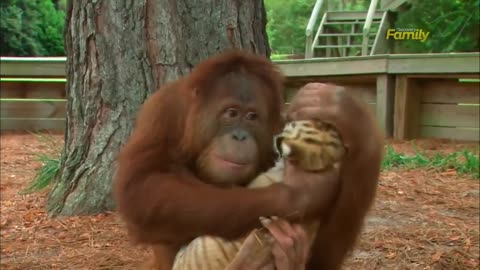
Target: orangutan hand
(332, 104)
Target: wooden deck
(419, 95)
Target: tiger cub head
(310, 145)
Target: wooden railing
(421, 95)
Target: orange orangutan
(199, 140)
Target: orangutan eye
(251, 116)
(231, 113)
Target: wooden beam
(32, 66)
(407, 108)
(463, 64)
(450, 115)
(34, 124)
(434, 63)
(446, 75)
(458, 63)
(352, 15)
(391, 4)
(450, 91)
(461, 134)
(385, 103)
(345, 79)
(339, 66)
(32, 90)
(17, 108)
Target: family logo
(403, 34)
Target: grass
(50, 165)
(464, 162)
(45, 175)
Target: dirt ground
(422, 219)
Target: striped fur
(313, 146)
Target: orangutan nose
(239, 135)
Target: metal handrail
(379, 36)
(310, 27)
(368, 25)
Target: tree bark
(118, 53)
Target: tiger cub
(310, 145)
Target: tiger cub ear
(281, 146)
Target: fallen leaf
(391, 255)
(4, 224)
(436, 257)
(29, 217)
(454, 238)
(468, 242)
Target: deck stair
(349, 33)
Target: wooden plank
(365, 92)
(33, 80)
(385, 103)
(12, 90)
(371, 106)
(468, 80)
(449, 91)
(458, 63)
(463, 134)
(351, 15)
(446, 75)
(32, 90)
(407, 108)
(335, 66)
(32, 109)
(344, 79)
(289, 93)
(411, 64)
(432, 63)
(46, 90)
(32, 124)
(33, 59)
(391, 4)
(448, 115)
(33, 66)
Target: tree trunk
(118, 53)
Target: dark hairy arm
(359, 171)
(340, 232)
(167, 207)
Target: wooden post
(385, 103)
(407, 108)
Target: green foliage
(45, 175)
(453, 26)
(34, 27)
(286, 25)
(50, 165)
(31, 28)
(464, 162)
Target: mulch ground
(422, 219)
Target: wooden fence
(421, 95)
